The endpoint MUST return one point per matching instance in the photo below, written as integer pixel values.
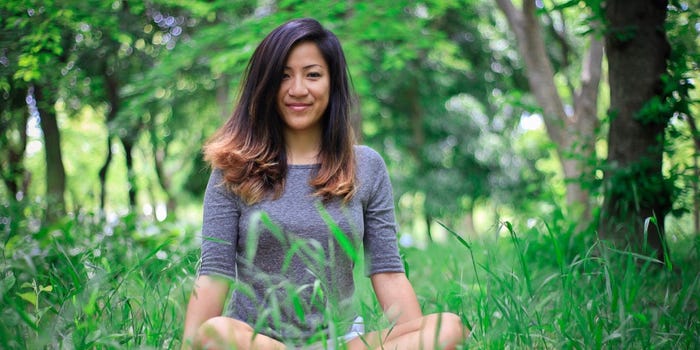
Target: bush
(87, 282)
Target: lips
(297, 106)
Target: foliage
(547, 289)
(681, 97)
(85, 282)
(636, 185)
(123, 283)
(442, 95)
(441, 88)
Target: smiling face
(303, 95)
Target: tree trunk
(13, 141)
(112, 86)
(584, 126)
(103, 173)
(574, 135)
(14, 175)
(165, 180)
(415, 113)
(55, 172)
(635, 188)
(696, 172)
(696, 195)
(429, 227)
(130, 173)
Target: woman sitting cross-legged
(290, 201)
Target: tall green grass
(545, 290)
(85, 283)
(89, 283)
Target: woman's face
(303, 95)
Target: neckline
(304, 166)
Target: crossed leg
(434, 331)
(228, 333)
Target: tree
(695, 178)
(45, 96)
(635, 187)
(185, 85)
(574, 134)
(427, 90)
(682, 70)
(108, 59)
(46, 31)
(14, 116)
(120, 45)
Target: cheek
(327, 91)
(279, 98)
(280, 92)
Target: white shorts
(357, 329)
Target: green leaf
(12, 244)
(30, 297)
(7, 283)
(340, 236)
(455, 235)
(298, 308)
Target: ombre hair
(250, 149)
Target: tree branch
(512, 15)
(540, 73)
(591, 71)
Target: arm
(219, 236)
(396, 296)
(207, 301)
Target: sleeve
(219, 228)
(381, 246)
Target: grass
(88, 283)
(550, 292)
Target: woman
(289, 202)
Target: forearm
(207, 301)
(396, 296)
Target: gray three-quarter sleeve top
(291, 258)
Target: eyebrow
(306, 67)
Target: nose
(297, 87)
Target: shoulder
(372, 173)
(368, 158)
(217, 179)
(217, 188)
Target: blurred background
(484, 111)
(530, 144)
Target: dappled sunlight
(530, 161)
(530, 122)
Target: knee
(451, 330)
(210, 335)
(223, 333)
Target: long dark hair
(250, 149)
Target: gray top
(292, 258)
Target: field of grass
(91, 283)
(538, 290)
